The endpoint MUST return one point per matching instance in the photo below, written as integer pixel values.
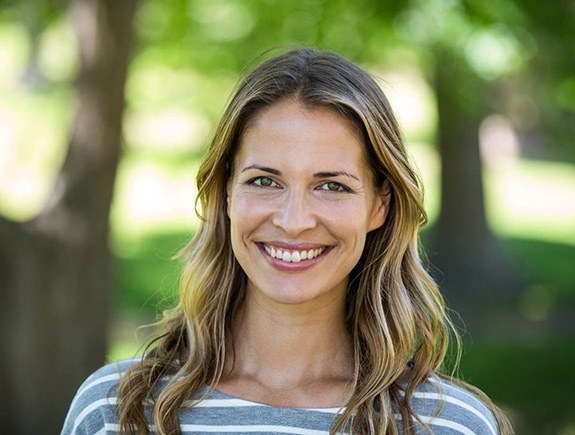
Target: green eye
(263, 181)
(333, 187)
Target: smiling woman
(301, 184)
(304, 305)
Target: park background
(97, 190)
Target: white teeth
(292, 256)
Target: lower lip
(290, 266)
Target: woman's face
(301, 201)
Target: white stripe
(220, 403)
(90, 385)
(446, 423)
(460, 390)
(240, 403)
(457, 402)
(112, 427)
(107, 378)
(98, 381)
(327, 410)
(92, 407)
(112, 377)
(434, 421)
(252, 428)
(101, 380)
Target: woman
(304, 304)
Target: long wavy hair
(395, 312)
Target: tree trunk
(473, 268)
(56, 270)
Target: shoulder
(93, 408)
(448, 407)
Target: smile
(293, 256)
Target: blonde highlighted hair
(395, 312)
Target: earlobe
(228, 199)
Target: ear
(381, 207)
(228, 200)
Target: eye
(263, 182)
(332, 186)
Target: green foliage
(212, 36)
(533, 382)
(148, 273)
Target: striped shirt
(446, 409)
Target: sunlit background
(179, 82)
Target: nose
(295, 214)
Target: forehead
(315, 133)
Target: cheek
(245, 213)
(351, 217)
(243, 206)
(348, 227)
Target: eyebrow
(327, 174)
(335, 174)
(262, 168)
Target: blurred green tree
(56, 268)
(472, 268)
(486, 58)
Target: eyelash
(257, 181)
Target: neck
(283, 348)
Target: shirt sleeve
(448, 408)
(94, 407)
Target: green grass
(549, 264)
(533, 382)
